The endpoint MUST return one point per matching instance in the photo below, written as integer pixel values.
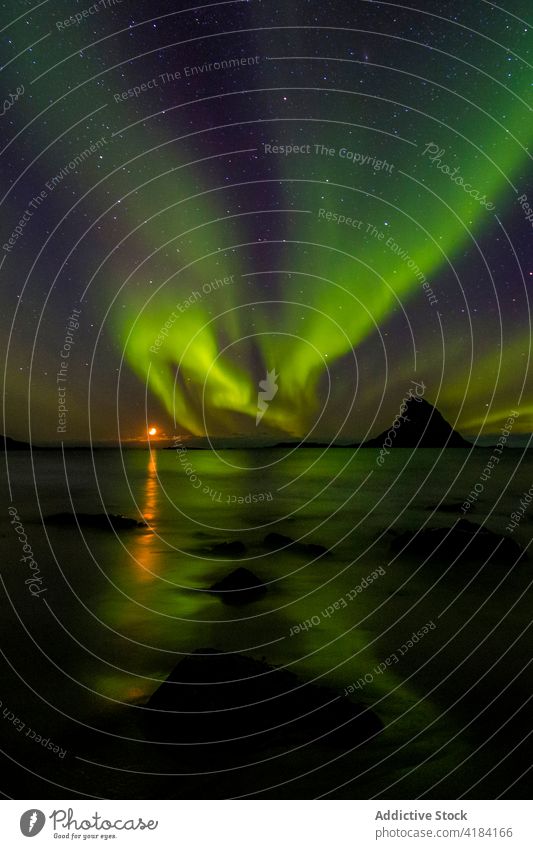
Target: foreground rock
(420, 425)
(275, 541)
(465, 540)
(212, 697)
(239, 587)
(102, 521)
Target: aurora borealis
(332, 191)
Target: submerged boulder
(218, 698)
(464, 540)
(239, 587)
(276, 541)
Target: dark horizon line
(237, 443)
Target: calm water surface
(121, 609)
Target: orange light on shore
(152, 431)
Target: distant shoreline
(275, 447)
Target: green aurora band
(413, 219)
(329, 286)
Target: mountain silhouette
(8, 444)
(421, 426)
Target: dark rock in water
(228, 549)
(239, 587)
(212, 697)
(313, 548)
(465, 540)
(446, 507)
(421, 426)
(275, 541)
(103, 521)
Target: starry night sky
(195, 223)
